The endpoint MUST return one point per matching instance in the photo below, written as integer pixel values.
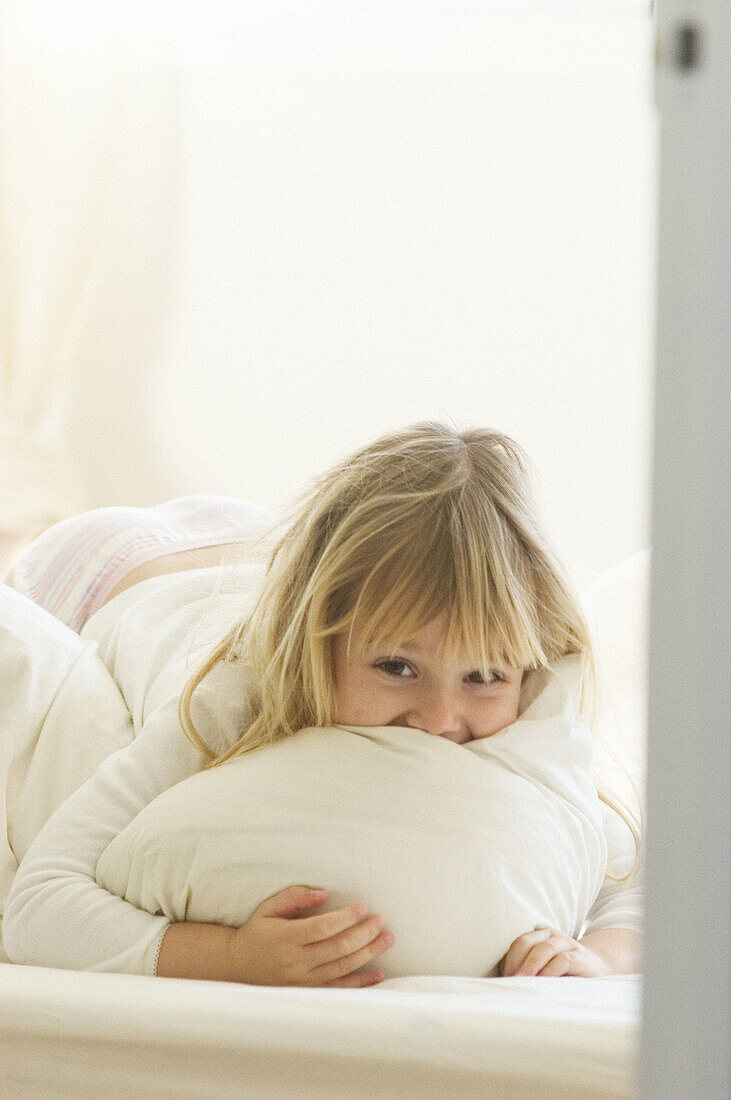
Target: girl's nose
(438, 716)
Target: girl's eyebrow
(506, 669)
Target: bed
(68, 1034)
(77, 1034)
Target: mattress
(77, 1034)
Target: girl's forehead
(426, 634)
(425, 642)
(430, 636)
(428, 640)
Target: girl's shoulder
(154, 635)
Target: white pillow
(461, 847)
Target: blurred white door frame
(685, 1038)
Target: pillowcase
(461, 847)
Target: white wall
(343, 217)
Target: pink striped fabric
(71, 568)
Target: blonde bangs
(437, 566)
(493, 613)
(396, 601)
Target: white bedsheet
(76, 1034)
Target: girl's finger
(309, 930)
(357, 981)
(537, 958)
(556, 967)
(520, 948)
(347, 942)
(287, 903)
(341, 967)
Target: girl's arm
(620, 947)
(613, 928)
(550, 953)
(56, 915)
(612, 940)
(617, 906)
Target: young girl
(412, 587)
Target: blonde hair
(422, 521)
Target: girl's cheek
(507, 714)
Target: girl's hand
(548, 953)
(274, 947)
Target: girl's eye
(392, 667)
(494, 677)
